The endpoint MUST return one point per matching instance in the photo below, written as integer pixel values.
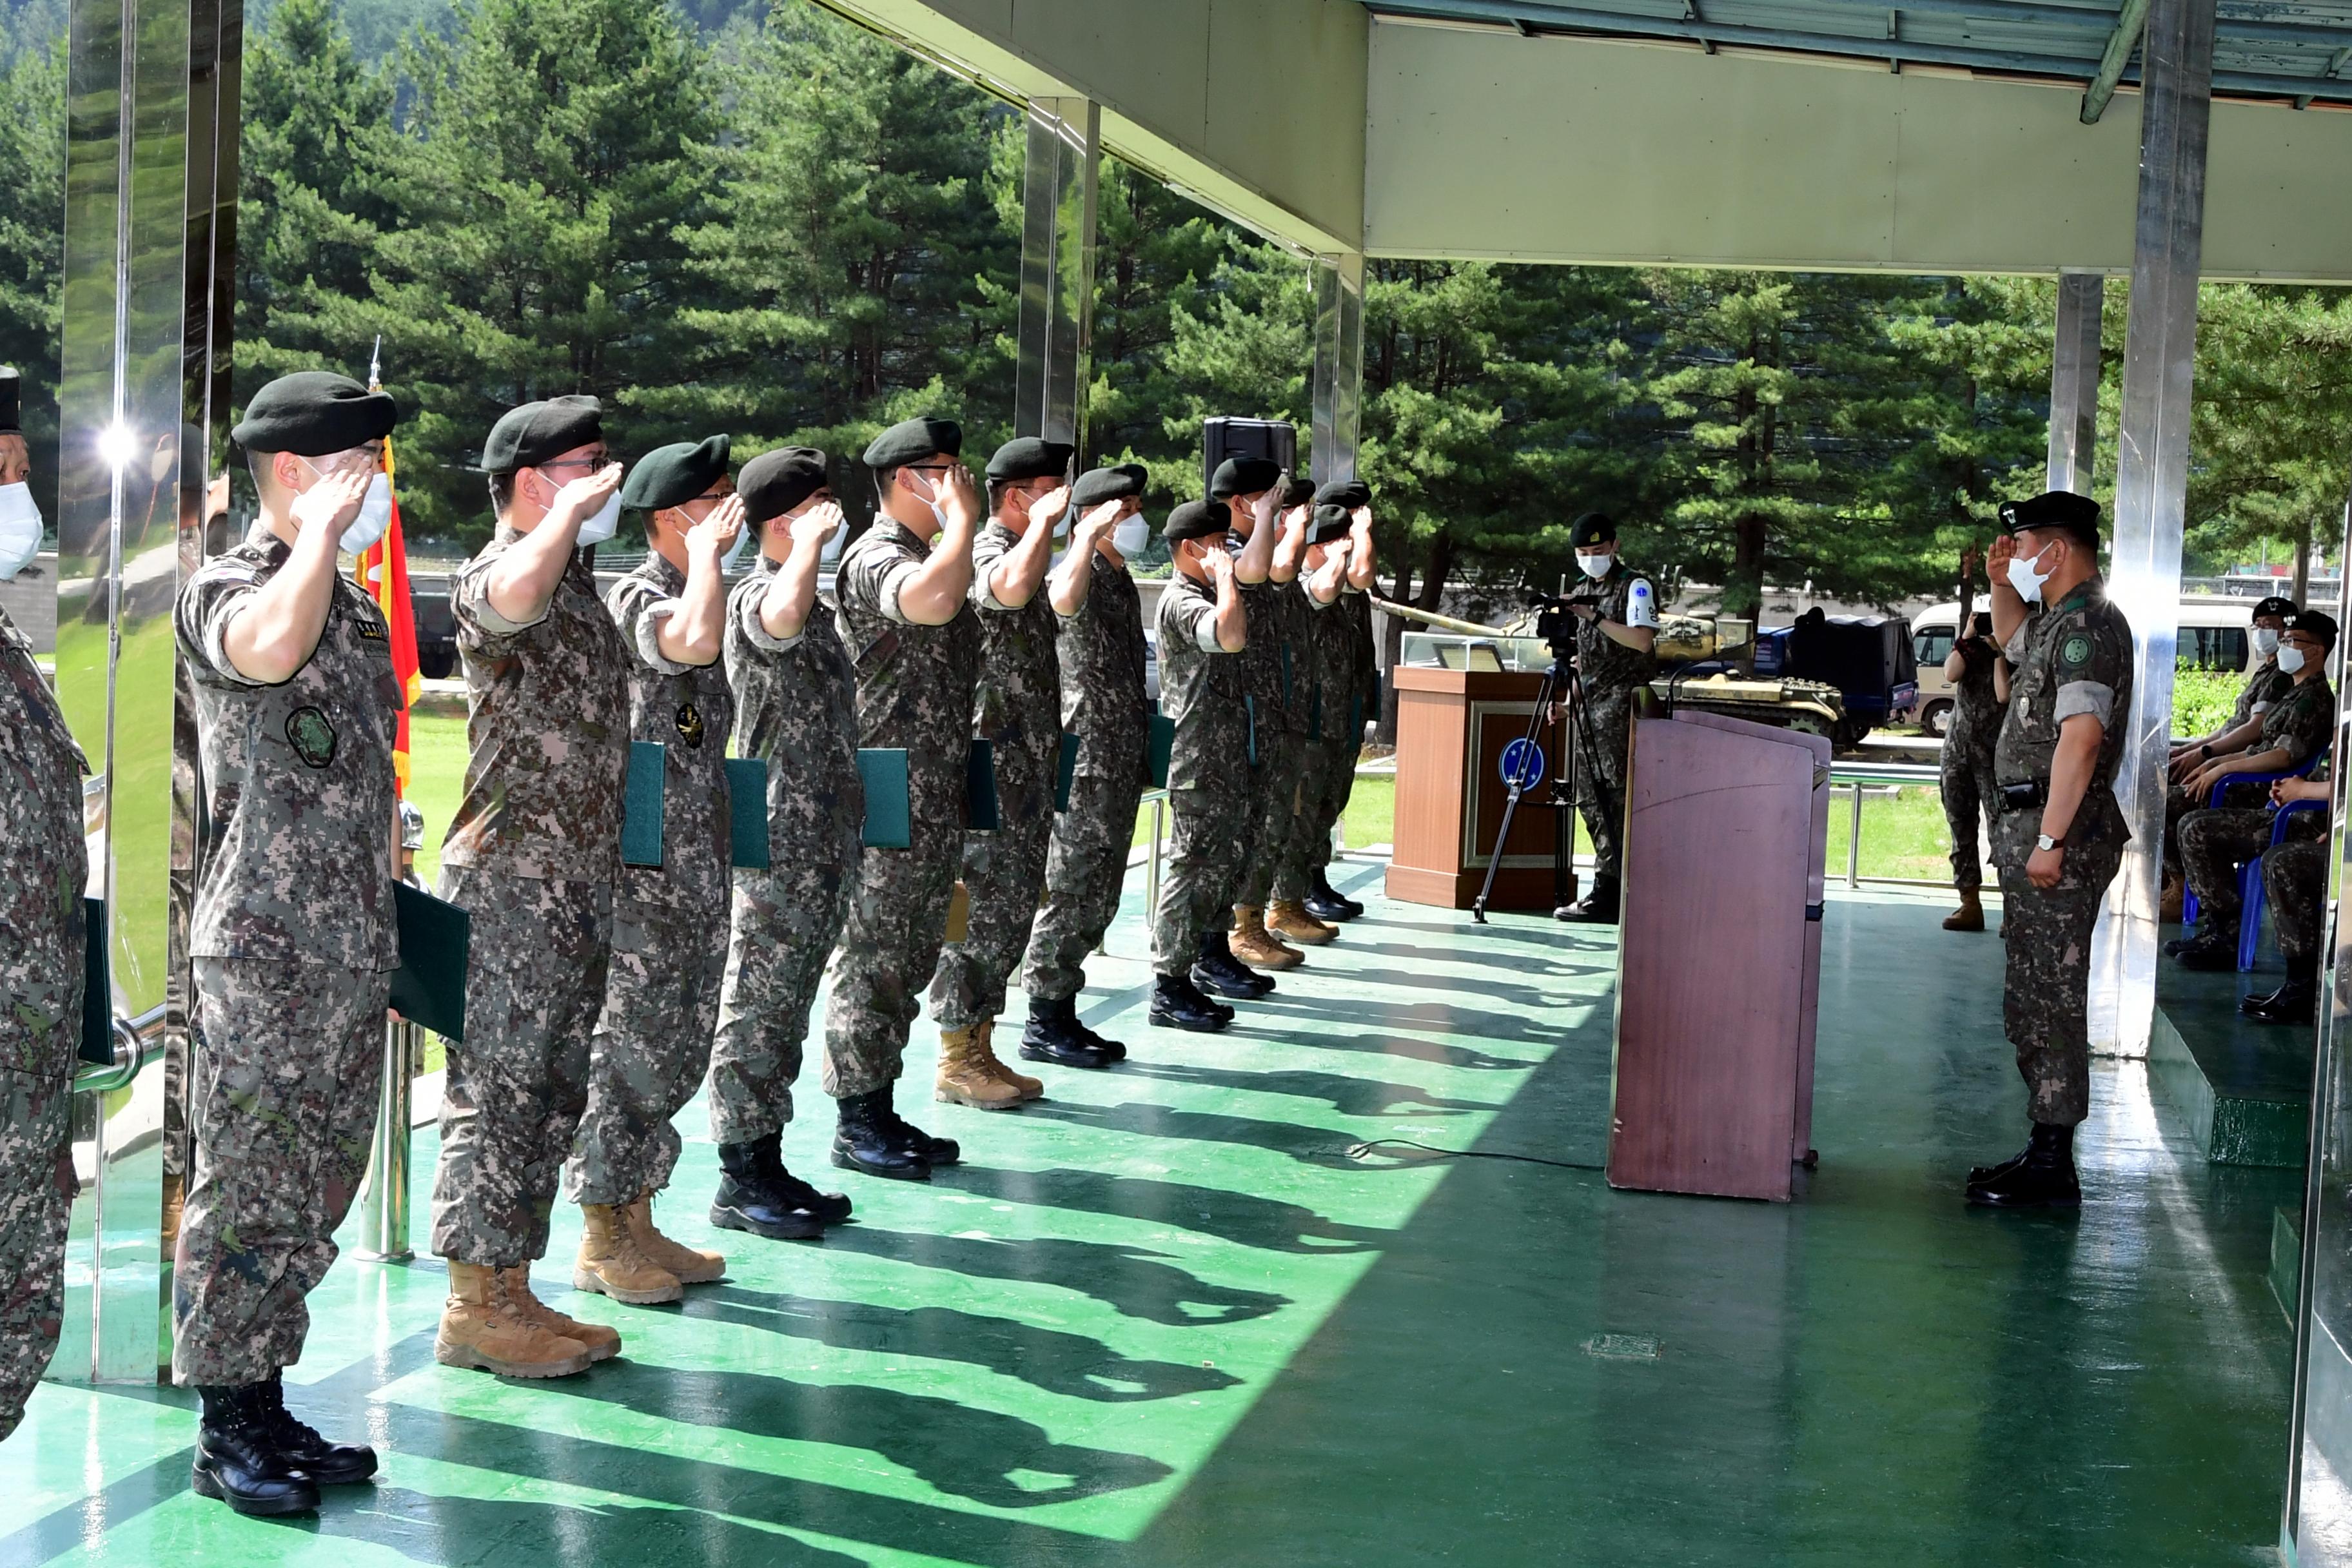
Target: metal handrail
(135, 1040)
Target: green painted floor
(1161, 1318)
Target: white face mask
(830, 552)
(2025, 579)
(20, 529)
(2266, 642)
(373, 518)
(1594, 566)
(1130, 536)
(939, 512)
(734, 556)
(2290, 658)
(600, 528)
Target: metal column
(1339, 366)
(2074, 382)
(2151, 490)
(1055, 341)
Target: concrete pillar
(2074, 382)
(1056, 338)
(1339, 366)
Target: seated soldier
(2295, 878)
(2210, 755)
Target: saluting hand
(584, 496)
(332, 502)
(816, 525)
(716, 534)
(1263, 508)
(1219, 566)
(1997, 559)
(1048, 508)
(959, 496)
(1095, 526)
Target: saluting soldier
(2061, 835)
(533, 853)
(42, 869)
(906, 618)
(1203, 628)
(1616, 641)
(1965, 761)
(1249, 490)
(670, 921)
(1100, 646)
(1278, 879)
(1346, 683)
(796, 710)
(294, 938)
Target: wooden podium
(1719, 978)
(1452, 727)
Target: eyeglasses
(598, 461)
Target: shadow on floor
(1243, 1217)
(1131, 1280)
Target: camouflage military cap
(1244, 477)
(673, 475)
(772, 483)
(1100, 485)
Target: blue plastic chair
(2221, 787)
(2251, 889)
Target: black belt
(2024, 796)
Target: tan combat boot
(1969, 916)
(1287, 918)
(1256, 946)
(690, 1263)
(611, 1263)
(482, 1327)
(603, 1343)
(964, 1078)
(1030, 1088)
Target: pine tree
(32, 244)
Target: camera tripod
(1562, 675)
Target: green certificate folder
(1162, 747)
(979, 788)
(1067, 774)
(747, 798)
(435, 944)
(889, 821)
(640, 821)
(97, 987)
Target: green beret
(1100, 485)
(1344, 494)
(673, 475)
(1244, 477)
(2314, 624)
(772, 483)
(1593, 528)
(1194, 519)
(527, 437)
(913, 440)
(12, 401)
(1027, 458)
(1330, 522)
(2053, 511)
(313, 412)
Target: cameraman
(1616, 639)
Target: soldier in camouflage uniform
(1252, 490)
(1350, 673)
(42, 866)
(670, 921)
(2265, 684)
(907, 620)
(2294, 879)
(293, 937)
(1203, 628)
(1018, 711)
(796, 710)
(1101, 649)
(2215, 842)
(532, 853)
(1277, 882)
(1616, 636)
(1965, 762)
(2061, 835)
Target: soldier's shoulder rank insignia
(690, 724)
(311, 736)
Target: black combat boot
(1177, 1003)
(1325, 903)
(868, 1140)
(2296, 1002)
(934, 1150)
(1055, 1035)
(753, 1197)
(2044, 1178)
(1599, 908)
(2210, 950)
(1110, 1048)
(237, 1462)
(1216, 970)
(328, 1464)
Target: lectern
(1718, 979)
(1452, 727)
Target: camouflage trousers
(518, 1083)
(1003, 877)
(2046, 990)
(36, 1195)
(1277, 839)
(1084, 874)
(1330, 780)
(1970, 800)
(2214, 844)
(2294, 879)
(1207, 847)
(2180, 805)
(651, 1046)
(889, 947)
(1610, 717)
(285, 1063)
(786, 923)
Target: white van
(2212, 636)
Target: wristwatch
(2045, 842)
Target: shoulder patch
(2077, 650)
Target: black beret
(2053, 511)
(527, 437)
(1344, 494)
(1300, 492)
(12, 401)
(1244, 477)
(1099, 485)
(1331, 522)
(1592, 528)
(2314, 623)
(1027, 458)
(772, 483)
(313, 412)
(912, 440)
(673, 475)
(1193, 520)
(2274, 606)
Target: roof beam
(2117, 55)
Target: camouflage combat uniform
(2215, 842)
(1967, 762)
(796, 707)
(1292, 856)
(2074, 657)
(915, 687)
(42, 865)
(2265, 685)
(1019, 712)
(2294, 879)
(1271, 821)
(532, 853)
(1350, 672)
(1103, 704)
(1611, 674)
(670, 921)
(1202, 691)
(294, 942)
